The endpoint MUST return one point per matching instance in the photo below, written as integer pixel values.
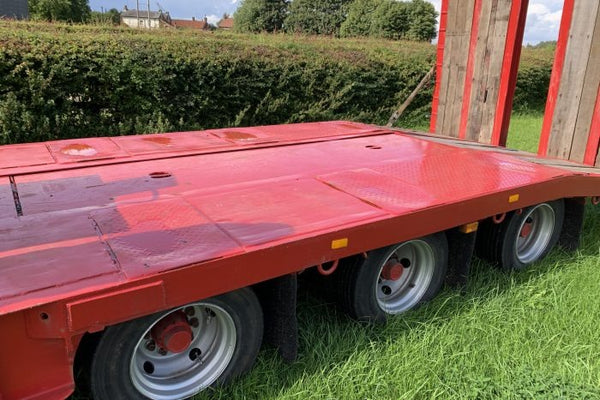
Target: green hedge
(61, 81)
(533, 79)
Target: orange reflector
(469, 228)
(513, 198)
(339, 243)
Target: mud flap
(573, 224)
(460, 252)
(278, 298)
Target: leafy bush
(63, 81)
(534, 78)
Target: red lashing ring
(330, 270)
(499, 218)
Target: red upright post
(510, 67)
(439, 64)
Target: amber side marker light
(469, 228)
(339, 243)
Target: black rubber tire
(496, 243)
(356, 279)
(110, 377)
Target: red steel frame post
(439, 64)
(557, 68)
(510, 67)
(591, 149)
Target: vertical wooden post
(478, 55)
(572, 119)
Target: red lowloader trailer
(170, 255)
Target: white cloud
(213, 19)
(543, 19)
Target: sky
(543, 16)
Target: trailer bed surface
(88, 214)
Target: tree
(60, 10)
(358, 21)
(422, 21)
(317, 17)
(260, 15)
(110, 17)
(391, 20)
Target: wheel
(522, 238)
(178, 353)
(393, 279)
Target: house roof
(226, 23)
(188, 23)
(143, 14)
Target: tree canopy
(260, 15)
(422, 21)
(110, 17)
(391, 19)
(318, 17)
(358, 21)
(60, 10)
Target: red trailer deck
(100, 231)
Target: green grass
(525, 335)
(524, 131)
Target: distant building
(14, 9)
(145, 19)
(191, 24)
(225, 23)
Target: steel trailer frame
(105, 230)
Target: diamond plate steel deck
(110, 216)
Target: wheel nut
(194, 323)
(162, 352)
(190, 311)
(151, 345)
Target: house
(191, 24)
(14, 9)
(226, 23)
(145, 19)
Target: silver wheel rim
(163, 375)
(534, 233)
(418, 262)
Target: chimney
(206, 20)
(193, 18)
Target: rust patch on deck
(79, 149)
(158, 140)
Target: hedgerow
(64, 81)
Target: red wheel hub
(392, 271)
(526, 230)
(173, 333)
